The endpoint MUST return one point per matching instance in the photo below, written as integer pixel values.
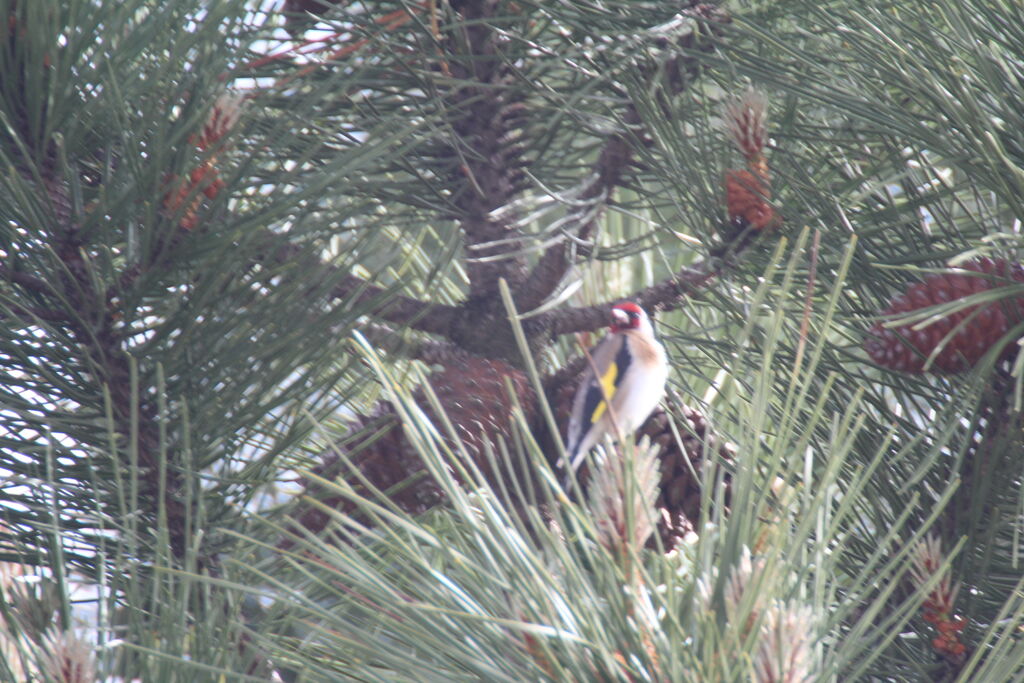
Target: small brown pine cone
(906, 349)
(376, 448)
(680, 495)
(745, 119)
(747, 197)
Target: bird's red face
(628, 316)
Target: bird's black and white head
(628, 316)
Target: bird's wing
(611, 358)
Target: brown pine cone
(748, 191)
(906, 349)
(747, 196)
(476, 403)
(679, 499)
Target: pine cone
(746, 200)
(906, 349)
(477, 404)
(748, 192)
(680, 495)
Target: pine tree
(292, 297)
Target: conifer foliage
(292, 302)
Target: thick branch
(667, 295)
(27, 281)
(94, 327)
(32, 316)
(418, 315)
(486, 149)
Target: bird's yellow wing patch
(607, 391)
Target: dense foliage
(224, 242)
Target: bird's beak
(621, 317)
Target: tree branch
(485, 150)
(31, 314)
(34, 315)
(614, 158)
(667, 295)
(27, 281)
(403, 310)
(552, 266)
(426, 350)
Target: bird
(629, 368)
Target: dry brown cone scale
(682, 467)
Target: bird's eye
(634, 315)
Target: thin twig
(608, 173)
(667, 295)
(390, 21)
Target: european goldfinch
(631, 369)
